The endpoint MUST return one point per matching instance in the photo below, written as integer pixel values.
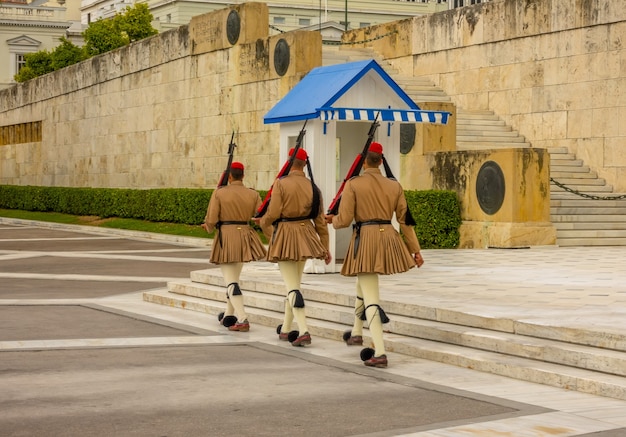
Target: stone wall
(552, 69)
(159, 112)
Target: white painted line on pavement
(58, 239)
(119, 342)
(102, 278)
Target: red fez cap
(237, 165)
(301, 154)
(376, 148)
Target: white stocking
(369, 287)
(234, 303)
(291, 272)
(359, 307)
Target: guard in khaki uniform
(294, 223)
(376, 248)
(230, 210)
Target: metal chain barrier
(588, 196)
(338, 43)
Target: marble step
(589, 226)
(452, 344)
(484, 144)
(594, 241)
(587, 210)
(593, 233)
(345, 298)
(580, 181)
(587, 203)
(599, 190)
(569, 157)
(589, 218)
(408, 319)
(595, 197)
(502, 133)
(482, 127)
(562, 173)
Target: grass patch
(159, 228)
(117, 223)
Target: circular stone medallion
(490, 187)
(233, 27)
(281, 57)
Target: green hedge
(186, 206)
(438, 218)
(437, 213)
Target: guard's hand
(256, 220)
(204, 226)
(418, 259)
(328, 258)
(329, 219)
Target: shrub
(437, 213)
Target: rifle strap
(315, 205)
(408, 219)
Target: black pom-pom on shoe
(229, 321)
(347, 334)
(293, 335)
(367, 353)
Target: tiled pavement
(577, 286)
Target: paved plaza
(82, 354)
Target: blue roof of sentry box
(315, 94)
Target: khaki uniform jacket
(381, 249)
(234, 242)
(292, 197)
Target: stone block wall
(159, 112)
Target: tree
(66, 54)
(100, 37)
(43, 61)
(36, 64)
(136, 22)
(105, 35)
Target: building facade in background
(31, 27)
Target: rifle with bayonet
(231, 149)
(283, 172)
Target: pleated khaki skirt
(239, 243)
(381, 250)
(295, 241)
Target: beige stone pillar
(506, 205)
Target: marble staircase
(583, 208)
(576, 359)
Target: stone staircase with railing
(583, 208)
(596, 217)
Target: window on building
(168, 18)
(304, 21)
(20, 62)
(279, 20)
(365, 24)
